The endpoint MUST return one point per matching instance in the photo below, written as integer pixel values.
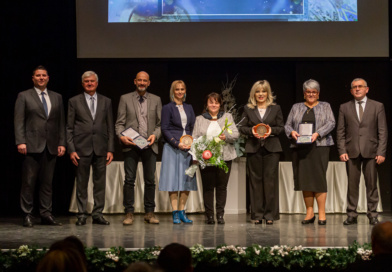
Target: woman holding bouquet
(263, 151)
(177, 120)
(211, 123)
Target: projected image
(231, 10)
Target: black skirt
(310, 163)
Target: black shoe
(220, 219)
(100, 221)
(210, 220)
(81, 221)
(258, 222)
(50, 220)
(269, 222)
(28, 221)
(350, 221)
(310, 221)
(373, 221)
(322, 222)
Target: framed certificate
(138, 139)
(306, 131)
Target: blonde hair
(261, 85)
(173, 87)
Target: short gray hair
(358, 79)
(311, 84)
(89, 73)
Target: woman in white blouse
(210, 123)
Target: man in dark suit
(362, 136)
(90, 139)
(40, 137)
(141, 111)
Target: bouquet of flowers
(208, 151)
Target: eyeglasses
(358, 86)
(311, 93)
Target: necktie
(141, 99)
(44, 103)
(92, 109)
(360, 110)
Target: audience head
(64, 255)
(175, 258)
(213, 103)
(382, 238)
(139, 267)
(177, 85)
(261, 85)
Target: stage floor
(238, 230)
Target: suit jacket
(272, 117)
(172, 129)
(86, 135)
(368, 137)
(33, 128)
(128, 116)
(325, 122)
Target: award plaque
(306, 131)
(137, 139)
(186, 140)
(262, 129)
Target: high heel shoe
(184, 218)
(269, 222)
(176, 220)
(322, 222)
(310, 221)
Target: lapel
(85, 106)
(368, 108)
(100, 106)
(176, 114)
(147, 101)
(37, 100)
(354, 110)
(267, 112)
(257, 114)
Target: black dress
(310, 162)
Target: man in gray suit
(90, 139)
(362, 136)
(141, 111)
(40, 137)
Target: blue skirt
(174, 164)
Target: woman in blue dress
(177, 120)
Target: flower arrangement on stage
(233, 258)
(208, 151)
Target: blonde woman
(263, 152)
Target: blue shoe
(183, 217)
(176, 220)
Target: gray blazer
(86, 135)
(33, 128)
(201, 126)
(368, 137)
(128, 116)
(325, 122)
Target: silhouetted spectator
(175, 258)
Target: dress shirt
(363, 105)
(87, 96)
(47, 98)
